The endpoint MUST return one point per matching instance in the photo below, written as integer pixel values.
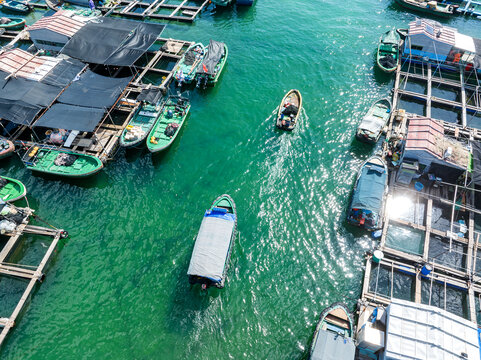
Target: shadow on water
(133, 154)
(361, 149)
(99, 180)
(380, 76)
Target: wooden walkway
(158, 9)
(33, 274)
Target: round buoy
(426, 269)
(377, 256)
(64, 234)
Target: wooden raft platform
(33, 274)
(401, 262)
(157, 9)
(104, 140)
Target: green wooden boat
(140, 125)
(169, 123)
(16, 6)
(209, 71)
(374, 121)
(388, 51)
(12, 189)
(9, 23)
(58, 162)
(429, 7)
(186, 69)
(334, 334)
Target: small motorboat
(388, 51)
(10, 23)
(16, 6)
(168, 123)
(289, 110)
(186, 69)
(373, 123)
(369, 196)
(333, 338)
(212, 65)
(429, 7)
(213, 245)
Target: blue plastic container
(418, 186)
(426, 270)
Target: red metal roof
(60, 23)
(433, 30)
(425, 134)
(26, 65)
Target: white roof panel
(464, 42)
(417, 331)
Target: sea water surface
(117, 288)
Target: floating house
(429, 41)
(429, 151)
(408, 330)
(53, 32)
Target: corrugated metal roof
(425, 134)
(26, 65)
(417, 331)
(61, 22)
(433, 30)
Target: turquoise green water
(118, 288)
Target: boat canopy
(212, 245)
(112, 41)
(391, 38)
(374, 122)
(151, 96)
(215, 51)
(331, 346)
(370, 188)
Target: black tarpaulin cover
(93, 90)
(152, 96)
(476, 162)
(22, 99)
(112, 41)
(18, 112)
(63, 73)
(71, 117)
(215, 51)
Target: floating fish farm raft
(16, 267)
(154, 69)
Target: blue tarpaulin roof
(370, 189)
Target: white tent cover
(417, 331)
(211, 247)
